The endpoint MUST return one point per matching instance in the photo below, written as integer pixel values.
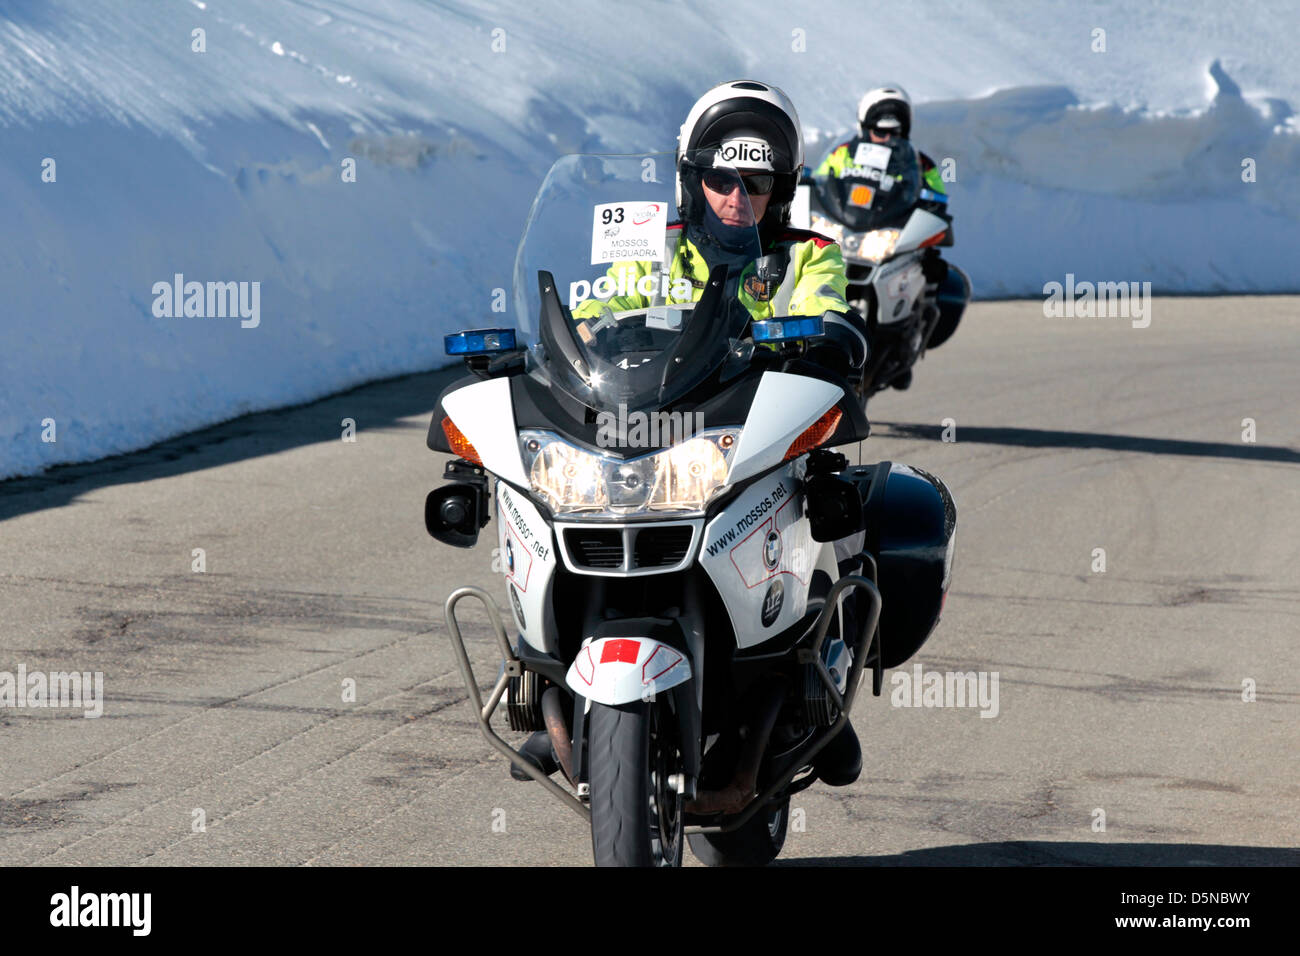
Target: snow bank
(227, 166)
(1199, 201)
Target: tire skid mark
(216, 704)
(219, 774)
(300, 777)
(401, 808)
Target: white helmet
(888, 108)
(744, 125)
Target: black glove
(843, 346)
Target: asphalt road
(1119, 691)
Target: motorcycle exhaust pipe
(737, 794)
(558, 730)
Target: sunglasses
(757, 185)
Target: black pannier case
(910, 520)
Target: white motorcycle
(885, 219)
(666, 503)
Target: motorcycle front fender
(621, 670)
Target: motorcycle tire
(757, 843)
(636, 818)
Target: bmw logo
(510, 557)
(772, 550)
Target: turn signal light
(460, 446)
(816, 433)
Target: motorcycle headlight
(679, 480)
(878, 244)
(827, 227)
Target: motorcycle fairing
(783, 408)
(921, 226)
(526, 552)
(760, 555)
(485, 415)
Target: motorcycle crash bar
(483, 712)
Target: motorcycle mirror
(453, 513)
(834, 507)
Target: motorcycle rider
(750, 129)
(884, 114)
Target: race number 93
(628, 230)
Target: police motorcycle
(887, 221)
(667, 500)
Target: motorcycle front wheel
(757, 843)
(636, 816)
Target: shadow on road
(381, 404)
(1042, 853)
(373, 406)
(1045, 438)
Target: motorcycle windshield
(878, 188)
(619, 303)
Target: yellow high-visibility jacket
(814, 280)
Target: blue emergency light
(479, 342)
(780, 330)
